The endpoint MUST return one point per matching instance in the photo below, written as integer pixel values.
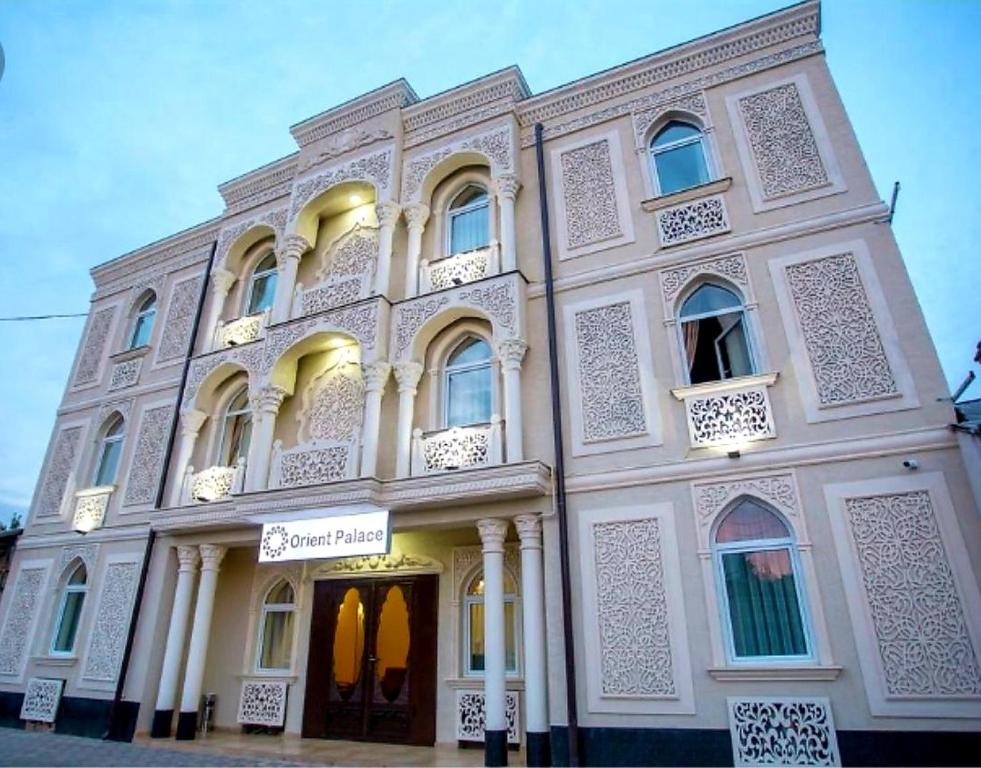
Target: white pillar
(221, 283)
(407, 374)
(265, 407)
(507, 190)
(287, 263)
(416, 215)
(537, 749)
(187, 558)
(388, 215)
(511, 352)
(375, 376)
(492, 533)
(191, 423)
(197, 653)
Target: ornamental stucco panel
(41, 699)
(692, 221)
(94, 347)
(148, 456)
(334, 405)
(21, 614)
(180, 316)
(108, 634)
(782, 731)
(263, 702)
(60, 467)
(125, 374)
(375, 168)
(731, 269)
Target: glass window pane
(763, 609)
(470, 195)
(473, 351)
(106, 472)
(142, 330)
(749, 521)
(263, 293)
(469, 230)
(510, 641)
(709, 298)
(681, 167)
(277, 635)
(79, 576)
(281, 595)
(64, 640)
(476, 649)
(731, 347)
(675, 131)
(468, 397)
(235, 441)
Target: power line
(24, 318)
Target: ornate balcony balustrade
(334, 292)
(213, 483)
(730, 412)
(90, 507)
(459, 269)
(319, 461)
(241, 330)
(457, 448)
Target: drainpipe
(553, 365)
(116, 730)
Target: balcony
(446, 450)
(729, 413)
(313, 463)
(213, 483)
(90, 508)
(336, 291)
(459, 269)
(241, 330)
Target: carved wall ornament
(782, 731)
(779, 490)
(148, 456)
(22, 609)
(41, 699)
(94, 348)
(241, 330)
(274, 219)
(590, 195)
(692, 221)
(180, 316)
(375, 375)
(121, 407)
(644, 119)
(407, 374)
(353, 254)
(60, 467)
(409, 317)
(333, 405)
(511, 351)
(470, 716)
(125, 373)
(108, 636)
(459, 269)
(90, 508)
(731, 269)
(374, 168)
(342, 143)
(314, 463)
(728, 417)
(498, 301)
(263, 702)
(380, 564)
(87, 553)
(466, 561)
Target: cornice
(270, 182)
(392, 96)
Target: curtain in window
(469, 230)
(277, 634)
(469, 397)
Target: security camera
(911, 464)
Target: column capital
(292, 247)
(187, 558)
(511, 351)
(492, 533)
(407, 374)
(387, 213)
(192, 420)
(211, 556)
(507, 186)
(268, 399)
(416, 214)
(376, 374)
(222, 280)
(529, 528)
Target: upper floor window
(713, 331)
(236, 430)
(276, 627)
(473, 629)
(143, 326)
(469, 220)
(678, 158)
(757, 565)
(467, 384)
(110, 449)
(262, 286)
(70, 611)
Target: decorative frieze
(263, 702)
(470, 716)
(374, 168)
(22, 609)
(693, 220)
(782, 731)
(148, 456)
(180, 317)
(372, 564)
(589, 193)
(125, 373)
(343, 143)
(54, 481)
(94, 348)
(41, 699)
(250, 190)
(730, 268)
(109, 631)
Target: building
(763, 531)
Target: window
(467, 384)
(109, 451)
(276, 628)
(473, 631)
(713, 332)
(66, 628)
(678, 158)
(143, 326)
(262, 286)
(236, 430)
(469, 220)
(756, 562)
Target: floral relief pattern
(336, 294)
(112, 621)
(470, 716)
(125, 374)
(410, 317)
(180, 316)
(456, 448)
(786, 732)
(692, 221)
(60, 468)
(20, 616)
(94, 347)
(731, 268)
(263, 702)
(459, 269)
(356, 255)
(498, 301)
(90, 510)
(335, 405)
(635, 641)
(589, 192)
(148, 456)
(275, 219)
(494, 144)
(839, 330)
(311, 467)
(783, 145)
(730, 417)
(917, 615)
(41, 699)
(375, 168)
(609, 373)
(643, 119)
(712, 497)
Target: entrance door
(371, 673)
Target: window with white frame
(70, 611)
(236, 430)
(262, 286)
(678, 158)
(468, 220)
(473, 625)
(467, 396)
(276, 628)
(712, 323)
(757, 569)
(110, 449)
(143, 325)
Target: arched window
(143, 325)
(467, 384)
(110, 449)
(276, 628)
(757, 565)
(678, 158)
(469, 219)
(70, 611)
(262, 286)
(713, 333)
(473, 630)
(236, 430)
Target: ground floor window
(474, 625)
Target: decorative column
(197, 652)
(537, 745)
(163, 715)
(191, 422)
(492, 533)
(375, 376)
(221, 283)
(511, 352)
(407, 374)
(416, 215)
(287, 263)
(265, 408)
(388, 215)
(507, 191)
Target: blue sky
(119, 118)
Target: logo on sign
(325, 537)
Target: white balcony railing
(334, 292)
(319, 461)
(457, 448)
(730, 412)
(90, 508)
(458, 269)
(213, 483)
(242, 330)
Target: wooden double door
(371, 673)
